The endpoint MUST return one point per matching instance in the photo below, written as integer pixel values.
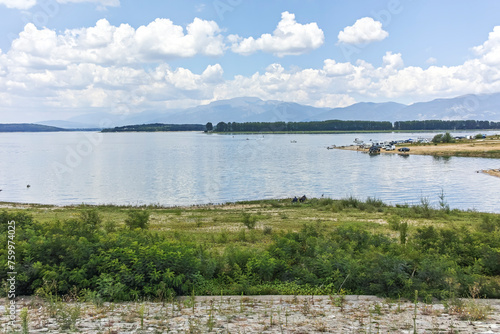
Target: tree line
(446, 125)
(157, 127)
(338, 125)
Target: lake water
(194, 168)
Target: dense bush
(137, 219)
(126, 264)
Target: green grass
(283, 216)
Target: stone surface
(264, 314)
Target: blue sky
(61, 58)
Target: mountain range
(252, 109)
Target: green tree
(209, 126)
(437, 138)
(221, 127)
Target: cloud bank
(126, 70)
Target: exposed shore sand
(489, 148)
(492, 172)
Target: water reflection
(444, 159)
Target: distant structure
(28, 186)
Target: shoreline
(492, 172)
(476, 148)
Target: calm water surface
(194, 168)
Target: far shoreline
(488, 147)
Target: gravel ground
(259, 314)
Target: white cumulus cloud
(289, 38)
(18, 4)
(364, 30)
(108, 44)
(490, 50)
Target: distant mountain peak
(254, 109)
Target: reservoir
(188, 168)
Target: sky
(63, 58)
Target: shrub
(488, 223)
(91, 218)
(443, 138)
(249, 221)
(137, 219)
(267, 230)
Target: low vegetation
(320, 247)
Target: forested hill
(156, 127)
(25, 127)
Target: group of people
(301, 200)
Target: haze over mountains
(252, 109)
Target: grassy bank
(322, 246)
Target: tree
(437, 138)
(447, 138)
(221, 127)
(209, 126)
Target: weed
(24, 320)
(141, 311)
(242, 236)
(442, 202)
(211, 319)
(249, 221)
(67, 315)
(377, 309)
(415, 313)
(48, 291)
(267, 230)
(93, 297)
(306, 308)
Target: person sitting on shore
(303, 199)
(294, 200)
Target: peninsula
(488, 147)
